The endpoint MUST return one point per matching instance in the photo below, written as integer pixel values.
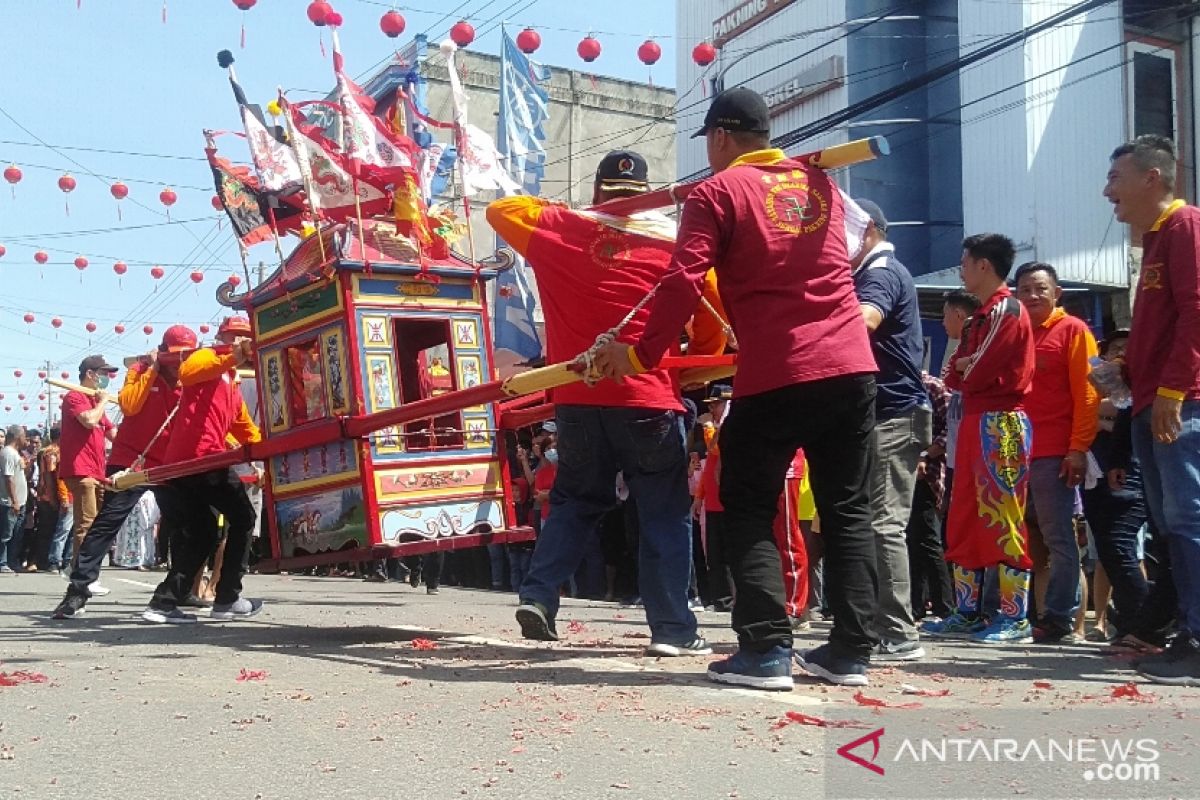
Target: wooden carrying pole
(74, 387)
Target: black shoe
(414, 579)
(70, 607)
(1178, 666)
(823, 663)
(535, 624)
(1047, 632)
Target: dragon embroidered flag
(247, 207)
(333, 189)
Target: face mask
(551, 455)
(102, 382)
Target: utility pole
(47, 367)
(262, 272)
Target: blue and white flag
(520, 138)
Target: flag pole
(341, 129)
(460, 139)
(304, 172)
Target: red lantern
(234, 281)
(81, 264)
(528, 41)
(168, 197)
(197, 277)
(42, 396)
(20, 397)
(67, 184)
(8, 408)
(119, 329)
(216, 203)
(589, 48)
(704, 54)
(91, 327)
(649, 53)
(55, 323)
(41, 408)
(24, 408)
(3, 250)
(119, 192)
(42, 375)
(318, 12)
(147, 329)
(17, 373)
(205, 328)
(392, 24)
(12, 174)
(66, 375)
(120, 268)
(245, 5)
(41, 256)
(156, 273)
(463, 33)
(334, 20)
(29, 318)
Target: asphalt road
(343, 689)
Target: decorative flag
(481, 170)
(275, 162)
(249, 209)
(327, 175)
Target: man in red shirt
(1062, 408)
(84, 429)
(211, 403)
(985, 526)
(1163, 360)
(592, 268)
(148, 400)
(774, 230)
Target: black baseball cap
(737, 109)
(623, 169)
(97, 363)
(718, 392)
(874, 212)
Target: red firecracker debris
(251, 675)
(796, 718)
(575, 626)
(21, 676)
(1131, 691)
(1043, 685)
(909, 689)
(872, 702)
(424, 644)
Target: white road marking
(143, 584)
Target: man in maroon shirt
(1163, 359)
(84, 429)
(774, 230)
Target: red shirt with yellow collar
(773, 229)
(211, 408)
(1163, 354)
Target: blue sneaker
(955, 626)
(1005, 630)
(770, 670)
(535, 623)
(822, 662)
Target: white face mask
(551, 455)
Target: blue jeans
(60, 546)
(496, 562)
(1052, 506)
(594, 443)
(1171, 479)
(11, 535)
(518, 566)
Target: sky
(111, 76)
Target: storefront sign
(816, 80)
(744, 17)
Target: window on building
(1154, 92)
(425, 364)
(306, 382)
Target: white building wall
(757, 59)
(1034, 156)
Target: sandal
(1131, 642)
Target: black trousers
(109, 519)
(716, 560)
(927, 567)
(834, 421)
(198, 495)
(1115, 519)
(47, 522)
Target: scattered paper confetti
(424, 644)
(251, 675)
(1043, 685)
(21, 676)
(797, 718)
(907, 688)
(863, 700)
(1131, 691)
(575, 626)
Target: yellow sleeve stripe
(1171, 393)
(637, 362)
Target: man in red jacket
(775, 231)
(1163, 358)
(212, 403)
(148, 400)
(985, 527)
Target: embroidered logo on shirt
(609, 250)
(795, 207)
(1152, 276)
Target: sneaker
(955, 626)
(696, 647)
(431, 590)
(771, 670)
(695, 604)
(167, 616)
(1178, 666)
(7, 570)
(70, 607)
(97, 590)
(534, 622)
(828, 665)
(414, 579)
(196, 602)
(909, 650)
(799, 624)
(375, 577)
(1052, 633)
(1005, 630)
(242, 608)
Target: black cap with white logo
(737, 109)
(623, 169)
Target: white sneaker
(696, 647)
(97, 590)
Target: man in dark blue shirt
(904, 426)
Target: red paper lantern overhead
(81, 263)
(334, 19)
(54, 323)
(704, 54)
(119, 190)
(13, 174)
(205, 328)
(234, 281)
(41, 256)
(197, 277)
(589, 49)
(528, 41)
(318, 12)
(245, 5)
(119, 329)
(3, 250)
(20, 397)
(157, 273)
(42, 375)
(66, 183)
(392, 24)
(168, 197)
(29, 318)
(216, 203)
(463, 33)
(147, 329)
(66, 375)
(42, 396)
(649, 53)
(91, 327)
(17, 373)
(120, 268)
(24, 408)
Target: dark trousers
(1159, 608)
(198, 495)
(834, 421)
(929, 573)
(47, 521)
(718, 567)
(1115, 519)
(100, 536)
(428, 566)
